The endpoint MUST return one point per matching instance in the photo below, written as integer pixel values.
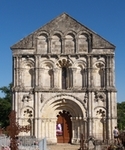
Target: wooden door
(64, 128)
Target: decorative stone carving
(28, 113)
(63, 100)
(101, 113)
(100, 96)
(26, 97)
(99, 65)
(64, 63)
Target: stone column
(54, 129)
(89, 73)
(73, 132)
(17, 75)
(56, 80)
(104, 129)
(89, 44)
(78, 128)
(92, 110)
(90, 114)
(36, 109)
(74, 77)
(113, 111)
(107, 71)
(63, 45)
(70, 78)
(85, 78)
(81, 125)
(19, 71)
(91, 69)
(103, 77)
(112, 71)
(49, 45)
(85, 129)
(77, 45)
(15, 71)
(38, 101)
(109, 116)
(46, 127)
(41, 73)
(42, 128)
(36, 71)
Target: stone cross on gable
(14, 129)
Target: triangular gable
(62, 23)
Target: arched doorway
(64, 127)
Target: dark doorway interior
(64, 127)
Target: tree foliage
(121, 115)
(5, 105)
(7, 92)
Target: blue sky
(19, 18)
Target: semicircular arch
(81, 63)
(49, 63)
(100, 63)
(29, 63)
(56, 32)
(43, 33)
(63, 102)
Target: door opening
(64, 127)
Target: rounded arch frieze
(58, 33)
(49, 63)
(70, 32)
(81, 63)
(27, 62)
(83, 33)
(43, 32)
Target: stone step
(61, 146)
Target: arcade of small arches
(63, 70)
(54, 42)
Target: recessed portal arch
(69, 112)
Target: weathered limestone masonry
(64, 76)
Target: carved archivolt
(100, 96)
(69, 97)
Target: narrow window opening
(64, 77)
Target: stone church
(64, 82)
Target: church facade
(64, 82)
